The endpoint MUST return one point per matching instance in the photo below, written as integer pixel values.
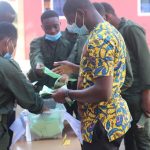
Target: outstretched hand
(65, 67)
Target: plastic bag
(47, 125)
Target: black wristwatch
(67, 97)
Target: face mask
(8, 56)
(53, 38)
(75, 29)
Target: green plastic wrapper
(55, 75)
(58, 84)
(48, 125)
(51, 73)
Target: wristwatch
(68, 99)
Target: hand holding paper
(60, 94)
(60, 82)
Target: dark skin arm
(65, 67)
(100, 91)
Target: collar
(122, 23)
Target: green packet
(46, 90)
(51, 73)
(55, 75)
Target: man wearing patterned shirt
(137, 95)
(105, 117)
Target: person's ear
(80, 12)
(42, 27)
(108, 17)
(3, 45)
(6, 42)
(104, 17)
(80, 17)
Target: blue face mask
(53, 38)
(75, 29)
(8, 56)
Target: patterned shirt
(104, 55)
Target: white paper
(64, 87)
(28, 133)
(18, 129)
(34, 83)
(46, 90)
(75, 125)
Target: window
(56, 5)
(47, 4)
(144, 7)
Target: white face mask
(73, 28)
